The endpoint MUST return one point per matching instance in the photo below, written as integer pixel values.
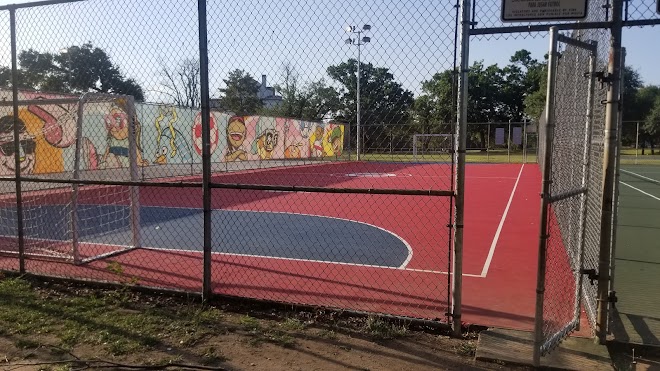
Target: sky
(414, 39)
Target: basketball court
(383, 253)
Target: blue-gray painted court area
(268, 234)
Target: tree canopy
(76, 69)
(240, 94)
(384, 103)
(313, 101)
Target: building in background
(267, 94)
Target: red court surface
(500, 254)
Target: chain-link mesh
(594, 200)
(115, 186)
(640, 10)
(507, 142)
(577, 175)
(85, 70)
(305, 59)
(568, 179)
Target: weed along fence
(329, 171)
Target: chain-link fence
(502, 142)
(638, 146)
(114, 186)
(300, 153)
(571, 145)
(490, 142)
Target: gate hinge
(591, 274)
(602, 77)
(611, 297)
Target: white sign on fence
(543, 10)
(517, 135)
(499, 136)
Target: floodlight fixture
(358, 41)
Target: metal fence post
(637, 143)
(612, 112)
(76, 176)
(206, 146)
(545, 196)
(17, 160)
(615, 201)
(524, 140)
(461, 133)
(488, 143)
(586, 169)
(508, 144)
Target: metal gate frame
(543, 343)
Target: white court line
(266, 257)
(640, 176)
(640, 191)
(491, 252)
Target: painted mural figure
(316, 149)
(336, 141)
(236, 132)
(168, 112)
(116, 153)
(27, 147)
(266, 144)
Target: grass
(380, 329)
(474, 156)
(119, 327)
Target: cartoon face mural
(27, 147)
(266, 144)
(117, 126)
(236, 132)
(316, 143)
(48, 135)
(197, 134)
(336, 139)
(293, 151)
(266, 136)
(59, 123)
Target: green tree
(385, 104)
(311, 101)
(652, 126)
(639, 108)
(76, 69)
(240, 94)
(531, 81)
(435, 109)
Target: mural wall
(165, 135)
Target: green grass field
(476, 156)
(630, 156)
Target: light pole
(358, 41)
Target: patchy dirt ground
(61, 326)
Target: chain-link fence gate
(602, 23)
(567, 133)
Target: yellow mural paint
(48, 159)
